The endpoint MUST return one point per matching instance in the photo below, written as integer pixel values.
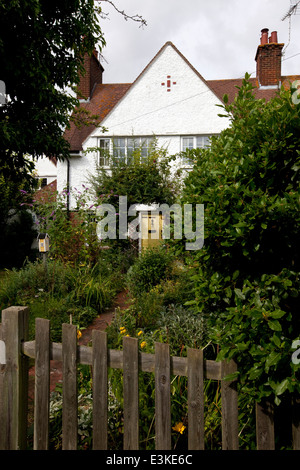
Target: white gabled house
(169, 100)
(165, 102)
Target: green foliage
(173, 290)
(180, 329)
(258, 334)
(142, 179)
(59, 292)
(23, 284)
(73, 236)
(246, 275)
(16, 224)
(94, 288)
(249, 183)
(47, 41)
(149, 269)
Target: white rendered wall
(80, 169)
(45, 168)
(148, 109)
(189, 108)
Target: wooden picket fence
(14, 389)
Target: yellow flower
(179, 427)
(143, 344)
(122, 330)
(140, 333)
(79, 334)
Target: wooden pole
(14, 403)
(265, 426)
(230, 436)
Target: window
(43, 182)
(202, 141)
(104, 152)
(144, 144)
(123, 148)
(189, 143)
(119, 148)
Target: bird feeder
(43, 242)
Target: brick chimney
(268, 60)
(92, 76)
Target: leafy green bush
(142, 179)
(148, 306)
(59, 311)
(258, 334)
(246, 276)
(32, 279)
(72, 234)
(182, 329)
(92, 288)
(149, 269)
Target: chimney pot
(264, 36)
(274, 37)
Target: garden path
(100, 323)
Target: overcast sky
(218, 37)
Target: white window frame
(193, 142)
(122, 148)
(103, 151)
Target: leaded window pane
(104, 152)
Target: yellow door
(151, 230)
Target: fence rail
(14, 389)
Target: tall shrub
(246, 277)
(143, 179)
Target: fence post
(100, 389)
(265, 426)
(195, 399)
(42, 384)
(70, 398)
(14, 401)
(131, 393)
(162, 397)
(296, 422)
(230, 432)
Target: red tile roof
(103, 100)
(47, 193)
(229, 87)
(105, 97)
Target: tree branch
(137, 18)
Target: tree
(16, 224)
(42, 45)
(143, 180)
(246, 277)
